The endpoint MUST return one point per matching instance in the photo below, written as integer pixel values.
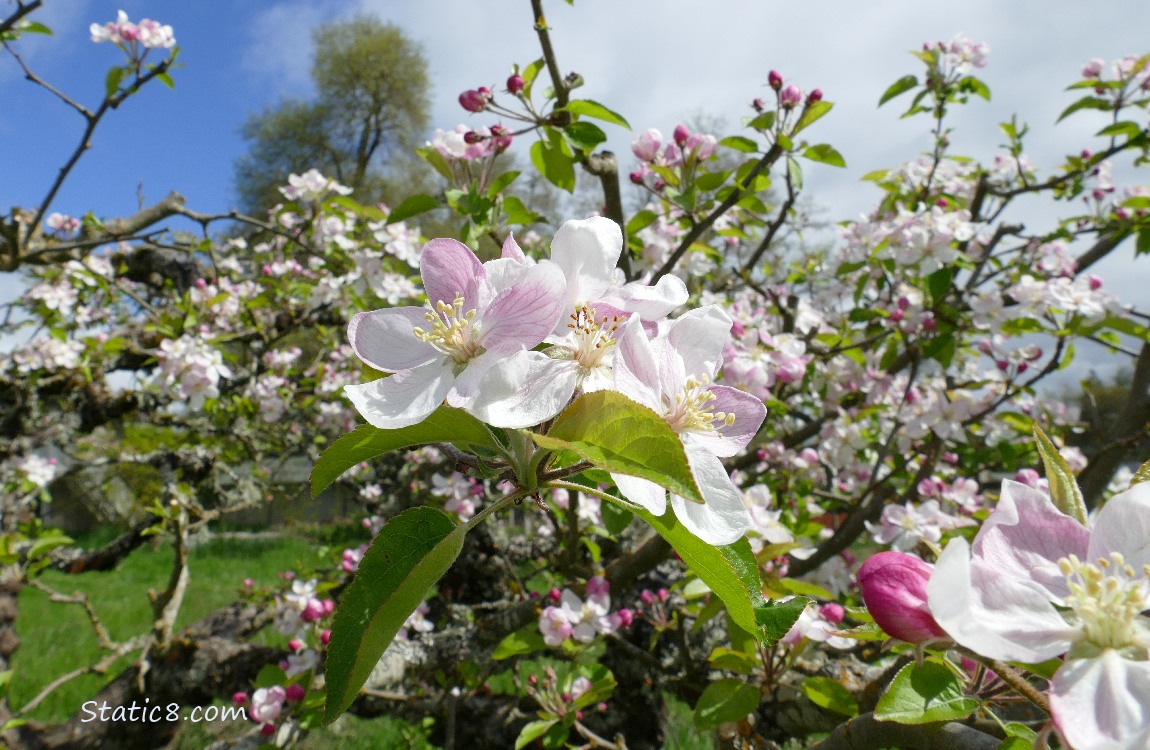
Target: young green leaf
(619, 435)
(901, 86)
(725, 701)
(533, 731)
(923, 695)
(588, 108)
(1063, 487)
(444, 425)
(831, 695)
(824, 154)
(411, 552)
(412, 206)
(811, 112)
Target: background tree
(370, 110)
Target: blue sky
(655, 61)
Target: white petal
(1123, 525)
(524, 390)
(636, 374)
(402, 399)
(642, 492)
(724, 518)
(653, 303)
(700, 336)
(1103, 703)
(587, 251)
(994, 614)
(385, 338)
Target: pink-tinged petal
(672, 372)
(467, 381)
(385, 340)
(1026, 536)
(636, 374)
(993, 613)
(1123, 525)
(448, 268)
(642, 492)
(402, 399)
(587, 250)
(653, 303)
(522, 316)
(700, 336)
(524, 389)
(512, 250)
(728, 440)
(504, 273)
(1103, 703)
(724, 518)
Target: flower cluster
(147, 34)
(581, 619)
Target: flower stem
(1012, 677)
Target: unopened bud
(475, 100)
(515, 84)
(681, 135)
(791, 96)
(893, 587)
(775, 80)
(815, 96)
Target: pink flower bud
(296, 645)
(532, 680)
(833, 612)
(1093, 68)
(647, 597)
(636, 177)
(554, 595)
(515, 84)
(240, 698)
(325, 637)
(471, 137)
(1095, 282)
(893, 587)
(815, 96)
(295, 693)
(475, 100)
(626, 617)
(791, 96)
(758, 105)
(267, 730)
(328, 606)
(681, 135)
(663, 594)
(775, 80)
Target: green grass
(57, 638)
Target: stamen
(451, 330)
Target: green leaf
(901, 86)
(641, 220)
(521, 642)
(939, 283)
(1086, 102)
(795, 173)
(765, 121)
(619, 435)
(831, 695)
(811, 112)
(1141, 475)
(33, 27)
(445, 424)
(725, 701)
(533, 731)
(740, 143)
(588, 108)
(1142, 244)
(972, 85)
(616, 518)
(824, 154)
(584, 136)
(112, 81)
(500, 183)
(1127, 128)
(412, 206)
(166, 79)
(411, 552)
(730, 572)
(519, 214)
(552, 163)
(1063, 487)
(923, 695)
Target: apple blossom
(893, 587)
(267, 703)
(673, 375)
(468, 329)
(1036, 584)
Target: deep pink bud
(515, 84)
(267, 730)
(893, 587)
(758, 105)
(791, 96)
(626, 617)
(1095, 282)
(815, 96)
(637, 177)
(775, 80)
(663, 594)
(647, 597)
(681, 135)
(532, 680)
(296, 645)
(833, 612)
(475, 100)
(471, 137)
(240, 698)
(295, 693)
(554, 595)
(325, 637)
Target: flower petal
(636, 374)
(642, 492)
(728, 440)
(385, 340)
(700, 336)
(524, 389)
(402, 399)
(1026, 536)
(1103, 703)
(1123, 525)
(992, 613)
(653, 303)
(522, 316)
(724, 518)
(448, 268)
(587, 250)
